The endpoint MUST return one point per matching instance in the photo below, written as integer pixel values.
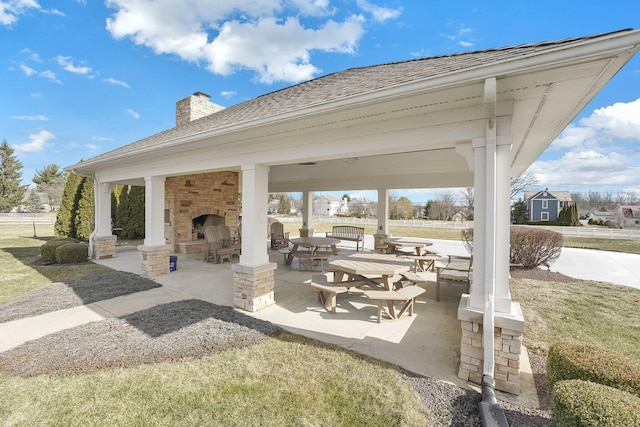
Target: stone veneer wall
(507, 348)
(104, 247)
(254, 286)
(189, 196)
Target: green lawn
(288, 380)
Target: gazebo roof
(414, 113)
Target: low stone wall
(507, 344)
(254, 286)
(154, 261)
(104, 247)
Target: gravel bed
(172, 332)
(85, 290)
(191, 329)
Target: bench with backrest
(458, 270)
(348, 232)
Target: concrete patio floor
(427, 343)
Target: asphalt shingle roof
(344, 84)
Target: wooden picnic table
(408, 242)
(387, 271)
(312, 249)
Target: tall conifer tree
(65, 225)
(11, 191)
(85, 215)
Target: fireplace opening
(200, 222)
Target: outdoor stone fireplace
(193, 200)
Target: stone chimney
(194, 107)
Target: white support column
(382, 232)
(255, 194)
(102, 243)
(307, 214)
(254, 278)
(502, 293)
(383, 211)
(492, 325)
(102, 208)
(154, 211)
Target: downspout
(490, 411)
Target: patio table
(361, 268)
(408, 242)
(315, 248)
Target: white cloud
(64, 62)
(28, 71)
(379, 13)
(228, 94)
(116, 82)
(92, 147)
(133, 114)
(101, 138)
(38, 142)
(599, 150)
(39, 117)
(268, 37)
(47, 74)
(50, 75)
(10, 10)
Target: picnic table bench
(406, 296)
(327, 290)
(348, 232)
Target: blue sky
(79, 78)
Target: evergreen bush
(577, 360)
(48, 250)
(65, 225)
(72, 252)
(85, 213)
(586, 404)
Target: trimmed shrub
(530, 246)
(72, 252)
(48, 250)
(588, 362)
(583, 403)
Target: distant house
(600, 215)
(546, 205)
(329, 206)
(627, 216)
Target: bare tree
(444, 207)
(468, 197)
(522, 183)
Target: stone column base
(154, 260)
(507, 333)
(377, 242)
(104, 247)
(253, 286)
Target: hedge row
(64, 250)
(584, 403)
(48, 250)
(592, 386)
(582, 361)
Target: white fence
(28, 218)
(586, 231)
